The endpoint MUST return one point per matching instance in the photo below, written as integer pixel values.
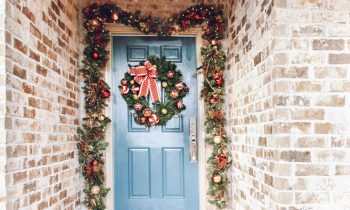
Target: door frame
(122, 30)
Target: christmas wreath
(141, 81)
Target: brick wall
(42, 169)
(311, 101)
(249, 105)
(2, 106)
(288, 98)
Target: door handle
(193, 139)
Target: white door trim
(122, 30)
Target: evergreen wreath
(136, 85)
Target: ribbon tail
(153, 90)
(144, 88)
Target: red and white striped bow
(146, 76)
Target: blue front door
(152, 166)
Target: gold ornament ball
(114, 16)
(176, 27)
(97, 124)
(95, 190)
(164, 84)
(214, 42)
(90, 123)
(101, 117)
(217, 139)
(135, 97)
(217, 178)
(142, 24)
(94, 22)
(132, 82)
(164, 111)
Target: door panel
(173, 169)
(152, 167)
(139, 173)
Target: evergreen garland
(92, 133)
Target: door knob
(193, 139)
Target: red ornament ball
(95, 168)
(124, 89)
(84, 147)
(180, 105)
(135, 89)
(219, 81)
(102, 83)
(95, 55)
(98, 38)
(221, 161)
(174, 94)
(89, 171)
(186, 23)
(197, 17)
(105, 93)
(179, 86)
(124, 82)
(137, 106)
(143, 120)
(153, 119)
(213, 100)
(147, 112)
(95, 162)
(170, 74)
(92, 202)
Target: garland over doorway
(92, 133)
